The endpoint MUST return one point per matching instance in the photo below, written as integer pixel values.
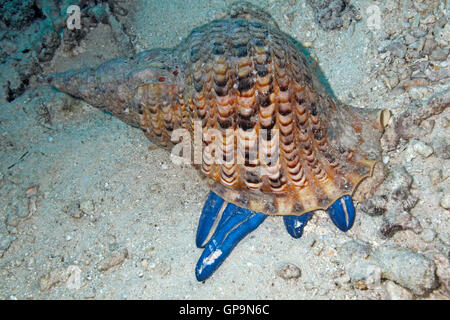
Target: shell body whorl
(286, 146)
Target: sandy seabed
(89, 209)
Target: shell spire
(117, 86)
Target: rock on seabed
(409, 269)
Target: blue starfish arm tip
(210, 212)
(342, 213)
(234, 225)
(295, 224)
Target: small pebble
(22, 209)
(435, 176)
(420, 6)
(32, 191)
(418, 93)
(74, 280)
(113, 246)
(317, 248)
(309, 285)
(5, 241)
(409, 13)
(288, 271)
(89, 293)
(12, 220)
(113, 260)
(396, 292)
(423, 149)
(354, 250)
(446, 172)
(342, 280)
(397, 220)
(439, 55)
(392, 80)
(409, 39)
(32, 207)
(323, 291)
(397, 49)
(73, 209)
(87, 207)
(145, 263)
(410, 83)
(374, 206)
(444, 35)
(443, 271)
(365, 275)
(427, 235)
(429, 46)
(52, 278)
(30, 262)
(445, 201)
(429, 20)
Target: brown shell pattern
(248, 86)
(247, 76)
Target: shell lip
(324, 208)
